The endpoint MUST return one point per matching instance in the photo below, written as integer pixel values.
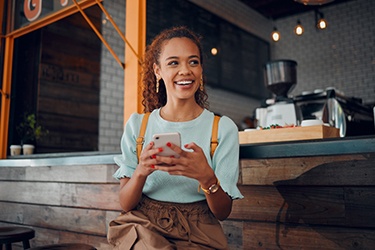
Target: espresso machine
(348, 114)
(280, 78)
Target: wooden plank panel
(91, 196)
(268, 171)
(338, 206)
(73, 90)
(12, 173)
(298, 236)
(79, 47)
(259, 203)
(89, 221)
(63, 141)
(233, 230)
(68, 107)
(71, 173)
(62, 194)
(75, 173)
(55, 122)
(30, 192)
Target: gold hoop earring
(157, 83)
(201, 87)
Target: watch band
(212, 189)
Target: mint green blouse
(171, 188)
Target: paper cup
(15, 150)
(28, 149)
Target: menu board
(238, 66)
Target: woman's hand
(131, 188)
(147, 160)
(192, 163)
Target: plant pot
(28, 149)
(15, 150)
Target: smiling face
(180, 68)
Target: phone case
(161, 141)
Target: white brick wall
(342, 56)
(112, 80)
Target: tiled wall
(343, 56)
(112, 80)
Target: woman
(162, 207)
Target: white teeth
(184, 82)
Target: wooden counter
(316, 194)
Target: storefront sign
(33, 8)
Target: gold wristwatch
(213, 188)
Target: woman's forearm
(131, 191)
(220, 204)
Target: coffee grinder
(280, 77)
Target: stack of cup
(15, 150)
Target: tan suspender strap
(215, 129)
(214, 141)
(141, 139)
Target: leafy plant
(29, 130)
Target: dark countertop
(318, 147)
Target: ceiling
(275, 9)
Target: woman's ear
(156, 70)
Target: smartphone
(161, 140)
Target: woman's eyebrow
(176, 57)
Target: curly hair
(151, 99)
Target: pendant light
(298, 30)
(275, 35)
(320, 22)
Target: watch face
(214, 188)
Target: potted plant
(30, 131)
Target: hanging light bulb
(275, 35)
(298, 29)
(321, 23)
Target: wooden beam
(5, 96)
(136, 34)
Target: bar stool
(11, 234)
(66, 246)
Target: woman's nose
(184, 69)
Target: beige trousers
(162, 225)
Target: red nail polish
(160, 149)
(152, 166)
(153, 156)
(169, 144)
(172, 156)
(186, 145)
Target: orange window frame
(135, 10)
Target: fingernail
(172, 156)
(160, 149)
(169, 144)
(152, 166)
(153, 156)
(186, 145)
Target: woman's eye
(173, 63)
(194, 62)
